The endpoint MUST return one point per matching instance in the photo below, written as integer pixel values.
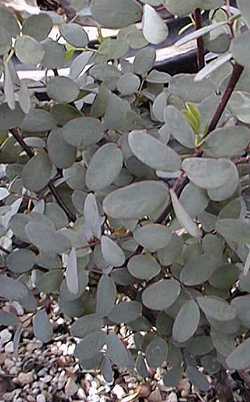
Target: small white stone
(71, 387)
(25, 378)
(47, 378)
(9, 347)
(13, 370)
(5, 336)
(81, 394)
(40, 398)
(71, 349)
(118, 391)
(172, 397)
(8, 363)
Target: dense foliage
(125, 191)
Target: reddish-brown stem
(200, 42)
(29, 151)
(237, 71)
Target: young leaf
(161, 295)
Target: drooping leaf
(144, 61)
(136, 200)
(208, 173)
(238, 49)
(234, 230)
(71, 274)
(12, 289)
(10, 118)
(125, 312)
(128, 84)
(38, 120)
(29, 50)
(46, 239)
(62, 89)
(5, 40)
(21, 260)
(239, 359)
(104, 167)
(227, 142)
(86, 325)
(74, 34)
(198, 269)
(105, 296)
(186, 322)
(144, 267)
(152, 152)
(156, 352)
(117, 351)
(194, 200)
(216, 308)
(243, 5)
(197, 378)
(112, 253)
(161, 295)
(43, 329)
(90, 345)
(152, 237)
(37, 26)
(179, 127)
(9, 22)
(83, 131)
(183, 217)
(116, 13)
(37, 172)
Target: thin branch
(18, 137)
(200, 41)
(236, 74)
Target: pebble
(47, 378)
(40, 398)
(172, 397)
(8, 363)
(118, 391)
(9, 347)
(155, 396)
(13, 370)
(71, 387)
(81, 394)
(31, 346)
(5, 336)
(25, 378)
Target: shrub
(124, 190)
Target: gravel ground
(49, 373)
